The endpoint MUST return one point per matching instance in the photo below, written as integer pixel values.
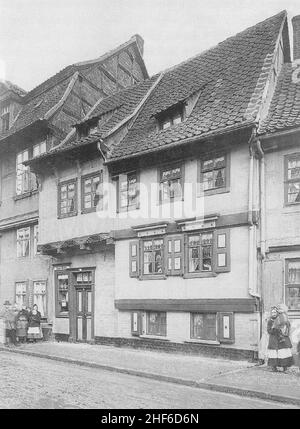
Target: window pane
(293, 298)
(208, 180)
(219, 178)
(294, 272)
(177, 119)
(204, 326)
(294, 192)
(63, 292)
(156, 323)
(294, 168)
(166, 124)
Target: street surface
(30, 382)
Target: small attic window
(93, 128)
(170, 117)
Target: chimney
(296, 36)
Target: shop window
(292, 179)
(213, 327)
(128, 192)
(21, 294)
(171, 183)
(40, 296)
(62, 292)
(204, 326)
(153, 256)
(156, 323)
(292, 284)
(200, 252)
(92, 192)
(23, 242)
(67, 198)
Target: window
(39, 296)
(23, 242)
(67, 201)
(92, 192)
(39, 148)
(292, 280)
(21, 294)
(198, 254)
(25, 180)
(292, 182)
(35, 239)
(169, 117)
(171, 183)
(153, 256)
(62, 290)
(156, 323)
(213, 173)
(204, 326)
(213, 327)
(128, 191)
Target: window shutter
(134, 260)
(136, 323)
(222, 250)
(174, 250)
(226, 327)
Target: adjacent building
(32, 124)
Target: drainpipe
(262, 200)
(252, 227)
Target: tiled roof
(9, 86)
(42, 98)
(120, 105)
(231, 77)
(284, 112)
(37, 107)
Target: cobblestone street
(57, 385)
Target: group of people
(279, 349)
(21, 324)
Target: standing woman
(22, 324)
(34, 325)
(280, 346)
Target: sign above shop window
(198, 224)
(150, 230)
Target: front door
(83, 313)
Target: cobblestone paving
(54, 385)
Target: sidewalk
(238, 377)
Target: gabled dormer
(11, 99)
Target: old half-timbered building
(280, 207)
(32, 124)
(152, 214)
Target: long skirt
(35, 333)
(280, 357)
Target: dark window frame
(287, 181)
(162, 332)
(288, 285)
(165, 167)
(201, 172)
(200, 273)
(192, 328)
(75, 211)
(83, 194)
(130, 207)
(152, 276)
(58, 313)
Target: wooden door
(84, 313)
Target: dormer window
(170, 117)
(93, 128)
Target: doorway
(83, 303)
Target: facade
(32, 124)
(152, 215)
